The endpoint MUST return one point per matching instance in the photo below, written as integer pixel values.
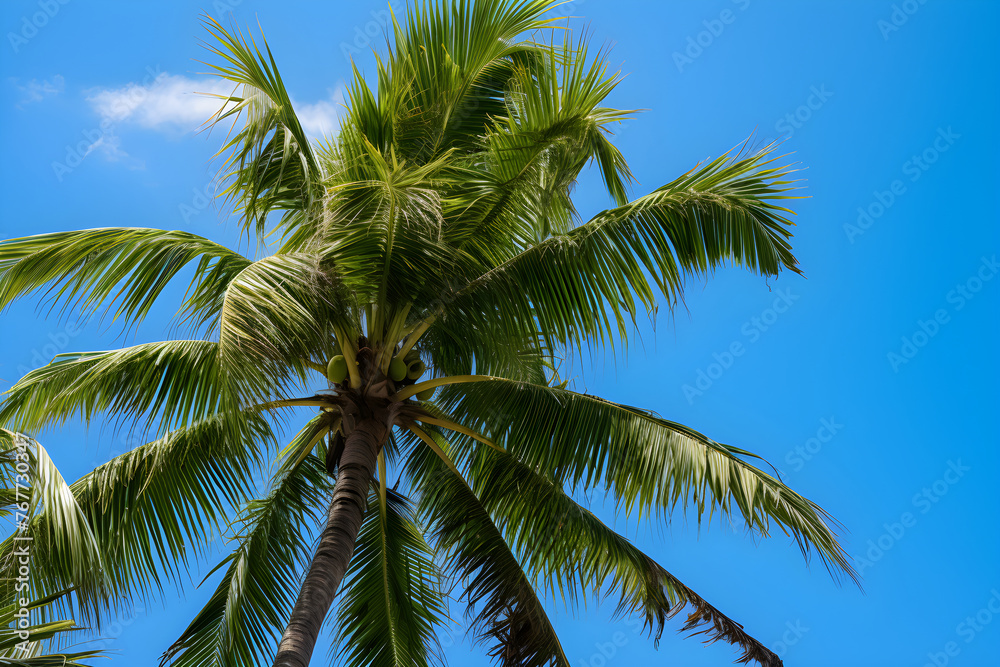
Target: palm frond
(454, 58)
(51, 521)
(552, 126)
(24, 645)
(572, 550)
(504, 608)
(277, 314)
(649, 464)
(245, 616)
(270, 164)
(174, 382)
(121, 268)
(391, 596)
(589, 283)
(382, 226)
(116, 534)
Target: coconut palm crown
(416, 275)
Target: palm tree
(429, 261)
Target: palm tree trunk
(336, 545)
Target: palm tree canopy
(434, 234)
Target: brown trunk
(336, 545)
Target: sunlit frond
(16, 651)
(51, 521)
(455, 58)
(122, 268)
(270, 163)
(552, 127)
(277, 315)
(173, 382)
(590, 283)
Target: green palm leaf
(92, 268)
(649, 464)
(270, 164)
(504, 608)
(392, 599)
(25, 646)
(276, 315)
(175, 382)
(51, 521)
(552, 126)
(245, 616)
(572, 550)
(589, 282)
(115, 534)
(454, 58)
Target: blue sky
(871, 383)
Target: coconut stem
(415, 389)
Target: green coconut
(336, 370)
(425, 394)
(415, 369)
(397, 369)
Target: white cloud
(170, 102)
(109, 145)
(166, 101)
(322, 118)
(36, 91)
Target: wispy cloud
(169, 102)
(110, 146)
(322, 119)
(36, 91)
(177, 104)
(172, 103)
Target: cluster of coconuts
(402, 370)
